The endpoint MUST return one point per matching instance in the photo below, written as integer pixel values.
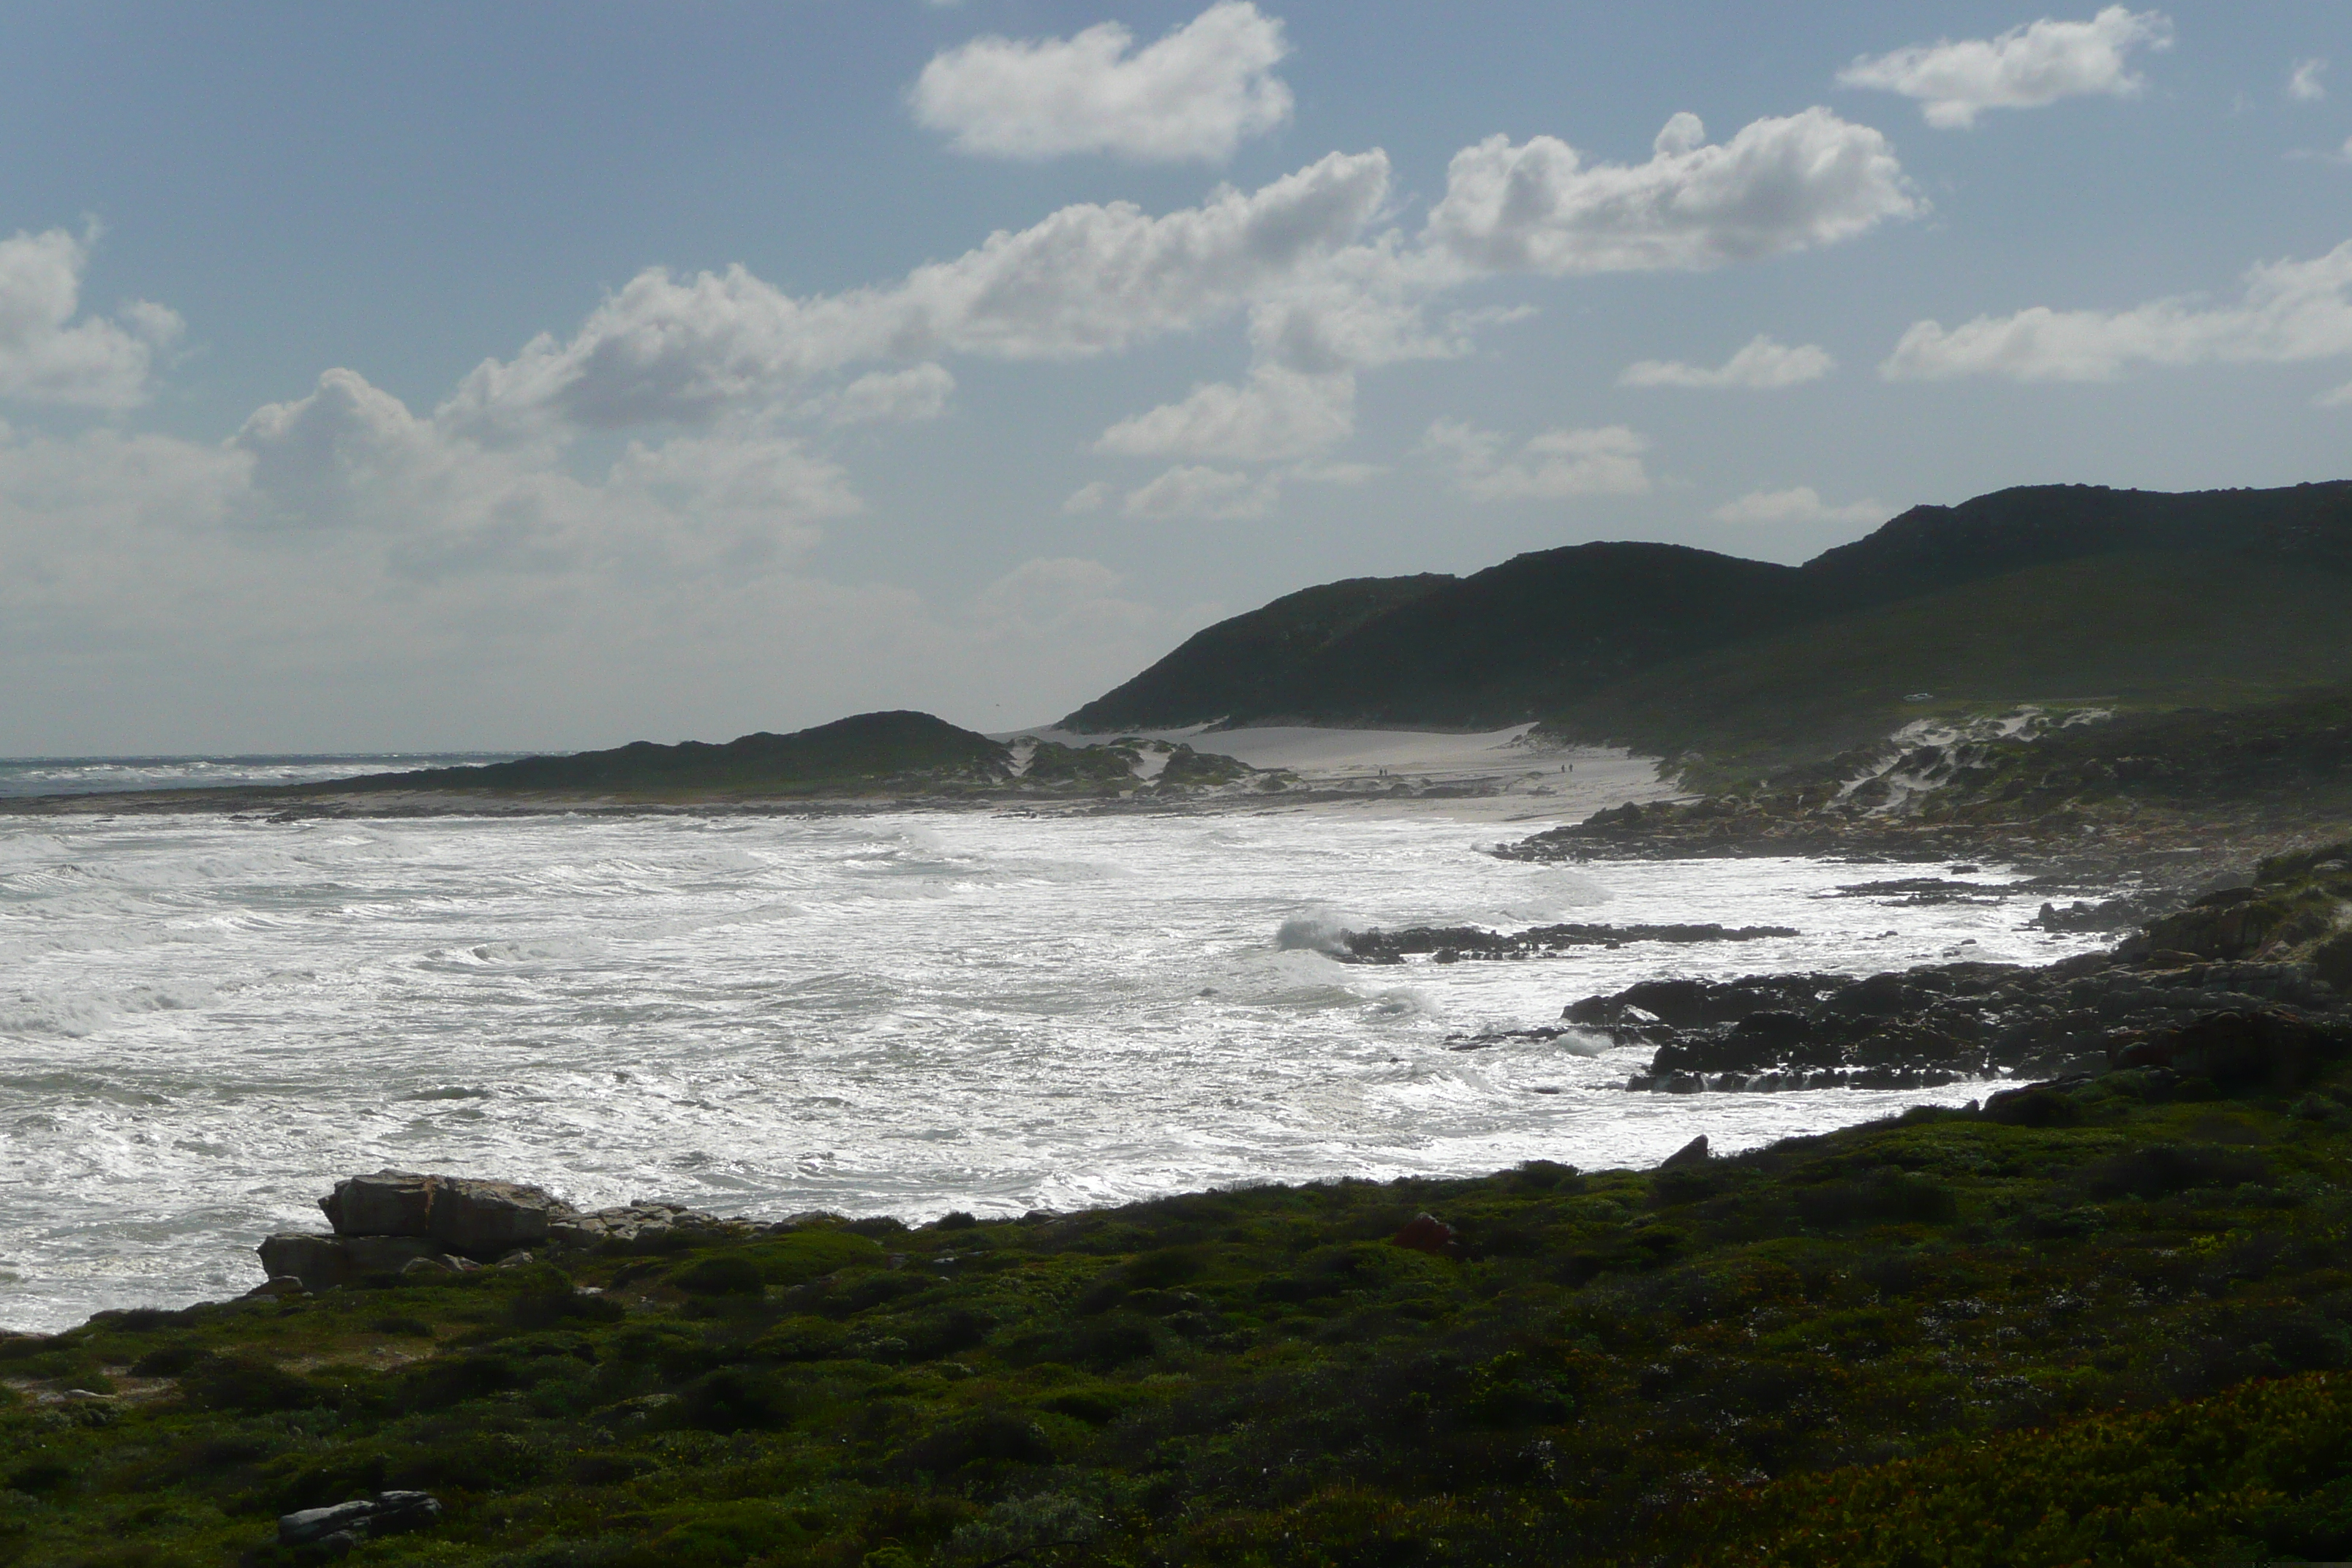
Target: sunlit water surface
(204, 1021)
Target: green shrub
(2188, 1484)
(726, 1535)
(997, 1437)
(724, 1274)
(739, 1399)
(244, 1382)
(167, 1359)
(1886, 1197)
(801, 1338)
(39, 1476)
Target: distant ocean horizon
(21, 777)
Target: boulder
(486, 1219)
(473, 1218)
(417, 1225)
(390, 1203)
(325, 1262)
(345, 1525)
(1695, 1153)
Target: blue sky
(555, 375)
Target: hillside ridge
(1550, 633)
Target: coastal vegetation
(2105, 1318)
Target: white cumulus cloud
(2024, 67)
(1087, 279)
(47, 356)
(2302, 83)
(1196, 94)
(1778, 185)
(2289, 312)
(1763, 365)
(1276, 416)
(1801, 504)
(1553, 465)
(1324, 292)
(1196, 491)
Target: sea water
(205, 1020)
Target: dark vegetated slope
(1494, 647)
(1506, 644)
(1224, 669)
(1932, 547)
(867, 748)
(2136, 629)
(1551, 631)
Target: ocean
(205, 1020)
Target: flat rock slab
(324, 1262)
(473, 1218)
(346, 1524)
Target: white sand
(1493, 776)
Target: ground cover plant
(2104, 1321)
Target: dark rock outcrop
(324, 1262)
(397, 1222)
(1941, 1022)
(1451, 945)
(333, 1532)
(476, 1219)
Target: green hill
(866, 750)
(2130, 631)
(1224, 669)
(2065, 592)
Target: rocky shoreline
(2268, 965)
(1456, 945)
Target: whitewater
(204, 1020)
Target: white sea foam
(205, 1021)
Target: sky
(554, 375)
